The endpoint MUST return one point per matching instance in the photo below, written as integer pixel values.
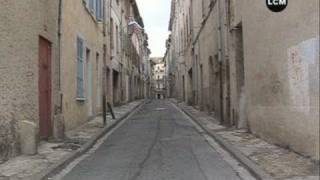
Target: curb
(44, 175)
(251, 166)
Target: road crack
(149, 152)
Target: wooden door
(45, 88)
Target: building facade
(169, 60)
(158, 78)
(29, 84)
(250, 67)
(60, 61)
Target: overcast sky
(156, 14)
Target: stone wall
(21, 24)
(252, 68)
(281, 57)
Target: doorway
(201, 95)
(211, 85)
(183, 89)
(239, 117)
(190, 88)
(115, 87)
(45, 124)
(89, 83)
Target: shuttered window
(91, 5)
(80, 68)
(99, 10)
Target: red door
(45, 88)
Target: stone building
(250, 67)
(29, 67)
(128, 51)
(59, 60)
(158, 78)
(169, 60)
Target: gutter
(59, 42)
(59, 54)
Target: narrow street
(159, 90)
(157, 142)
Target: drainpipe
(58, 123)
(59, 43)
(221, 58)
(104, 70)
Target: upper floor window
(95, 8)
(111, 34)
(99, 12)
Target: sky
(156, 14)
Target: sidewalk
(53, 154)
(278, 162)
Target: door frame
(45, 123)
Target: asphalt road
(156, 143)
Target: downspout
(59, 128)
(59, 44)
(121, 58)
(104, 69)
(221, 58)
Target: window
(111, 34)
(203, 9)
(99, 10)
(80, 87)
(91, 5)
(117, 39)
(95, 8)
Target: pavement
(258, 155)
(52, 154)
(158, 142)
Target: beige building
(29, 67)
(250, 67)
(158, 78)
(58, 60)
(81, 61)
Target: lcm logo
(277, 5)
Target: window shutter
(99, 10)
(80, 87)
(91, 5)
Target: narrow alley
(159, 90)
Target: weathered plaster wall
(77, 21)
(282, 73)
(21, 24)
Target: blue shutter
(91, 5)
(99, 10)
(80, 87)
